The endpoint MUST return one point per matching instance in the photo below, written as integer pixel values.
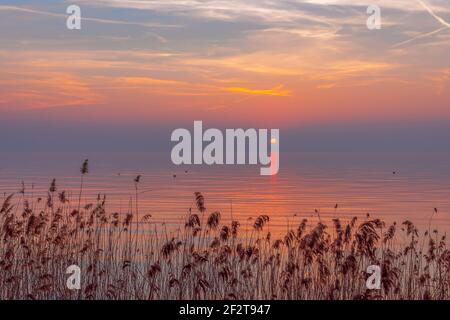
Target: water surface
(359, 183)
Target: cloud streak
(278, 91)
(97, 20)
(445, 24)
(431, 12)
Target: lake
(390, 186)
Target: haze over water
(359, 183)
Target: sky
(139, 69)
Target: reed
(123, 256)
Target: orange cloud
(44, 90)
(278, 91)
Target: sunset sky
(139, 69)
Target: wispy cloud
(37, 90)
(263, 10)
(419, 36)
(431, 12)
(445, 24)
(144, 81)
(228, 52)
(97, 20)
(278, 91)
(312, 32)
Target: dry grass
(127, 257)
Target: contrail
(420, 36)
(424, 35)
(107, 21)
(445, 23)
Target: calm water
(358, 183)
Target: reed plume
(208, 259)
